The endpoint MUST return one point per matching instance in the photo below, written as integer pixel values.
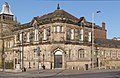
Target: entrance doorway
(58, 59)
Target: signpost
(38, 54)
(4, 56)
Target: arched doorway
(58, 59)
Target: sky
(25, 10)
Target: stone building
(65, 41)
(7, 23)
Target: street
(60, 73)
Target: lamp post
(92, 51)
(4, 56)
(22, 50)
(38, 54)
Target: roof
(23, 26)
(107, 42)
(6, 9)
(57, 15)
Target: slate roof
(107, 42)
(23, 26)
(57, 15)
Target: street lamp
(92, 52)
(21, 50)
(38, 54)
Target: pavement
(34, 73)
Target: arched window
(81, 53)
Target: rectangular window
(21, 37)
(62, 29)
(81, 35)
(17, 37)
(36, 34)
(54, 29)
(89, 36)
(45, 35)
(72, 34)
(58, 28)
(11, 43)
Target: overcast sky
(25, 10)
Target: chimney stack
(103, 25)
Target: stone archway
(58, 59)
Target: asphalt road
(62, 74)
(88, 75)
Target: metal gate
(58, 61)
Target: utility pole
(92, 48)
(22, 52)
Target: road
(58, 73)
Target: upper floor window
(110, 53)
(44, 35)
(62, 29)
(17, 37)
(31, 38)
(58, 28)
(36, 34)
(89, 36)
(72, 34)
(81, 35)
(104, 53)
(68, 34)
(54, 29)
(24, 37)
